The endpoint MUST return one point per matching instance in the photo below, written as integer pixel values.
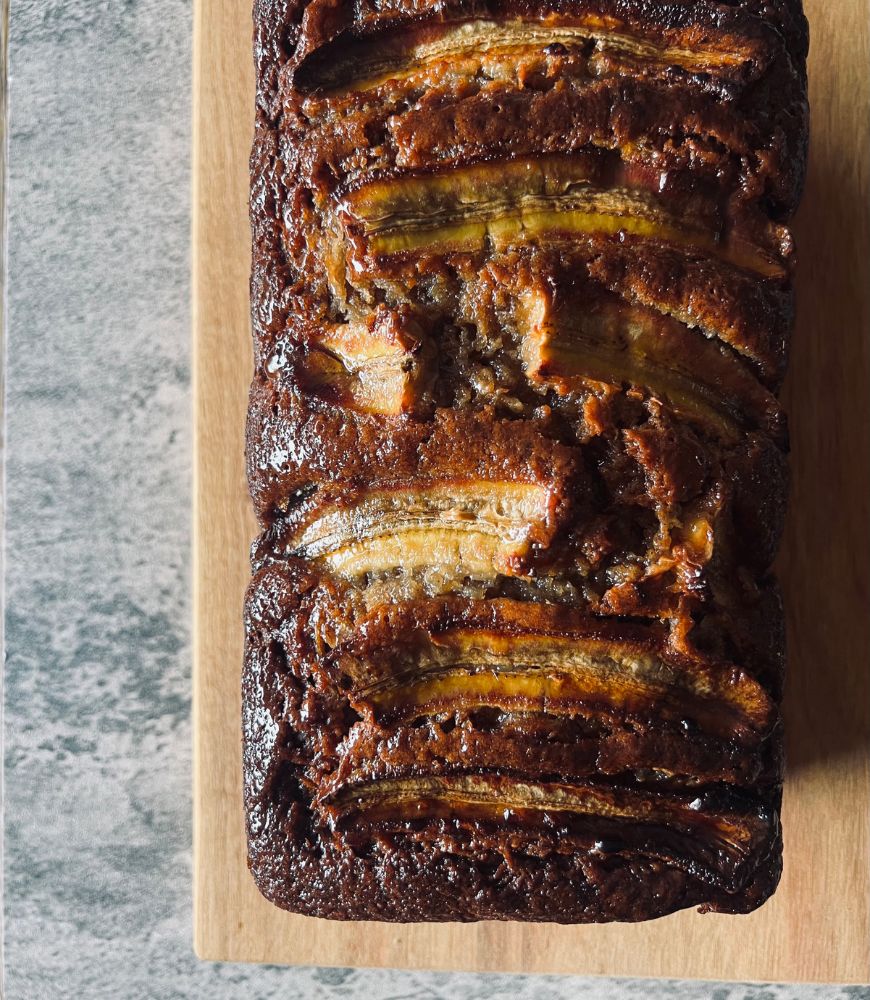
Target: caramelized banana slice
(363, 64)
(539, 745)
(698, 377)
(560, 675)
(509, 793)
(374, 368)
(719, 840)
(476, 529)
(502, 204)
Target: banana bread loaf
(521, 295)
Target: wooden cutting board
(817, 927)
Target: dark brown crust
(293, 731)
(638, 517)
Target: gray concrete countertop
(97, 860)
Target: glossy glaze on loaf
(521, 293)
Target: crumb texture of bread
(522, 293)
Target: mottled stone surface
(97, 689)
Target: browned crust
(296, 730)
(630, 527)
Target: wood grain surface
(817, 927)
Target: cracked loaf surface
(522, 291)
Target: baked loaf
(522, 290)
